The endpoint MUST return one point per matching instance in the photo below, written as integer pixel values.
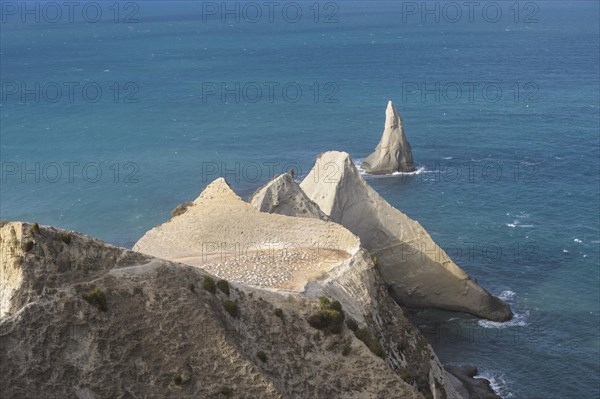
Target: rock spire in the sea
(419, 273)
(393, 153)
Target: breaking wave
(519, 318)
(497, 383)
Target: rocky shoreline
(474, 388)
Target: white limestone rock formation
(230, 238)
(393, 153)
(282, 195)
(418, 271)
(305, 256)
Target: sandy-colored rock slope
(393, 153)
(231, 239)
(162, 335)
(419, 272)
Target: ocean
(111, 114)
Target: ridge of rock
(418, 271)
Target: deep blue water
(502, 116)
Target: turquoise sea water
(503, 118)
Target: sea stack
(419, 273)
(393, 153)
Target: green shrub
(363, 334)
(27, 246)
(209, 284)
(325, 302)
(65, 237)
(192, 287)
(376, 348)
(178, 380)
(96, 298)
(223, 285)
(231, 308)
(181, 209)
(373, 344)
(336, 305)
(226, 391)
(262, 356)
(346, 350)
(279, 313)
(34, 229)
(328, 320)
(352, 324)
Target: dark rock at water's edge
(477, 388)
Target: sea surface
(109, 120)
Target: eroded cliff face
(159, 333)
(419, 272)
(358, 285)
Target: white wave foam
(419, 170)
(517, 223)
(497, 383)
(519, 319)
(507, 295)
(577, 240)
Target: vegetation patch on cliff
(329, 318)
(96, 298)
(373, 344)
(181, 209)
(231, 308)
(209, 284)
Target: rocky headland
(301, 292)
